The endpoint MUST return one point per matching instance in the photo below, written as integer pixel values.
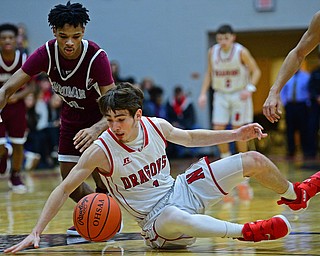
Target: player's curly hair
(10, 27)
(72, 14)
(124, 96)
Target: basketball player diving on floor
(133, 164)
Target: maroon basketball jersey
(14, 114)
(77, 88)
(7, 69)
(74, 81)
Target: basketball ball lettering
(97, 214)
(97, 217)
(82, 210)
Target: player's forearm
(203, 138)
(100, 126)
(255, 77)
(51, 208)
(290, 66)
(205, 84)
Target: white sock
(233, 230)
(290, 193)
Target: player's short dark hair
(10, 27)
(225, 29)
(124, 96)
(73, 14)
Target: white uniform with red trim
(141, 183)
(229, 77)
(138, 179)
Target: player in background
(233, 74)
(131, 157)
(308, 42)
(79, 72)
(13, 126)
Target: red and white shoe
(274, 228)
(305, 191)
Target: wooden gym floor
(19, 213)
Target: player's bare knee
(174, 216)
(253, 163)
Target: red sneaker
(274, 228)
(305, 191)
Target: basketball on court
(97, 217)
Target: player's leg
(221, 118)
(16, 126)
(83, 190)
(17, 156)
(100, 186)
(3, 156)
(227, 173)
(264, 171)
(3, 149)
(296, 195)
(242, 113)
(173, 223)
(15, 181)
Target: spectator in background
(43, 82)
(115, 68)
(295, 98)
(22, 38)
(31, 147)
(43, 123)
(53, 130)
(181, 114)
(180, 110)
(13, 125)
(155, 106)
(37, 116)
(146, 85)
(314, 92)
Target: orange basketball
(97, 217)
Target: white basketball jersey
(138, 178)
(228, 74)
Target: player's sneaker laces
(16, 184)
(304, 191)
(73, 232)
(274, 228)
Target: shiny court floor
(19, 213)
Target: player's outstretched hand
(32, 239)
(250, 131)
(272, 107)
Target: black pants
(297, 119)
